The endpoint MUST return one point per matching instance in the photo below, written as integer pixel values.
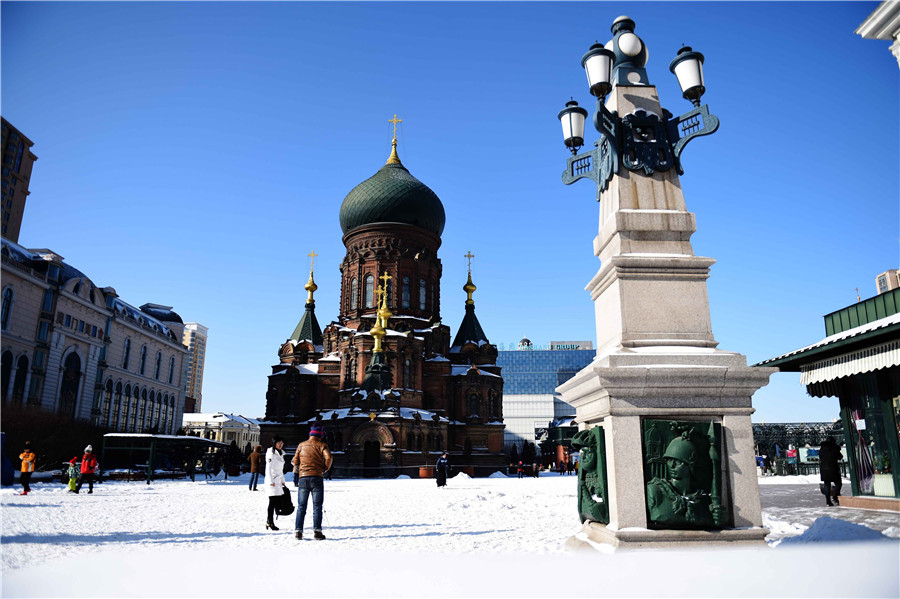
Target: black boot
(271, 525)
(828, 501)
(317, 534)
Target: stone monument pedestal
(620, 389)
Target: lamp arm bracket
(599, 165)
(691, 124)
(606, 122)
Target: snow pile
(498, 474)
(827, 529)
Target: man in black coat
(830, 469)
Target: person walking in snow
(830, 469)
(313, 460)
(442, 469)
(73, 474)
(27, 457)
(520, 469)
(255, 458)
(89, 467)
(274, 480)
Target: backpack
(284, 506)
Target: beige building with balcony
(223, 427)
(72, 348)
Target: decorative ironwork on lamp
(639, 141)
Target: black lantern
(598, 64)
(688, 68)
(572, 119)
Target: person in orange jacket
(27, 458)
(89, 466)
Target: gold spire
(394, 158)
(469, 287)
(377, 331)
(311, 285)
(382, 315)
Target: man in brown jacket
(255, 459)
(313, 459)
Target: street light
(638, 141)
(572, 119)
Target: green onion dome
(392, 195)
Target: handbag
(284, 506)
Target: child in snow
(73, 474)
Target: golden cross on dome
(312, 259)
(385, 277)
(395, 120)
(469, 255)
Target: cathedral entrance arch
(372, 436)
(372, 459)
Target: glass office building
(530, 378)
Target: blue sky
(193, 154)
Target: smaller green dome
(393, 195)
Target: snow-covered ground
(491, 537)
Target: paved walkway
(803, 503)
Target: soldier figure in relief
(674, 502)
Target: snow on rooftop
(462, 370)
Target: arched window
(165, 415)
(126, 402)
(420, 443)
(107, 402)
(370, 291)
(404, 293)
(142, 421)
(143, 358)
(354, 293)
(127, 354)
(410, 442)
(421, 294)
(473, 404)
(68, 391)
(152, 412)
(136, 398)
(18, 390)
(171, 414)
(494, 403)
(117, 408)
(407, 375)
(171, 369)
(351, 373)
(7, 361)
(7, 308)
(438, 442)
(158, 364)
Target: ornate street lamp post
(640, 140)
(663, 414)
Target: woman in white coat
(274, 480)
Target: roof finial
(382, 315)
(311, 285)
(469, 287)
(394, 158)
